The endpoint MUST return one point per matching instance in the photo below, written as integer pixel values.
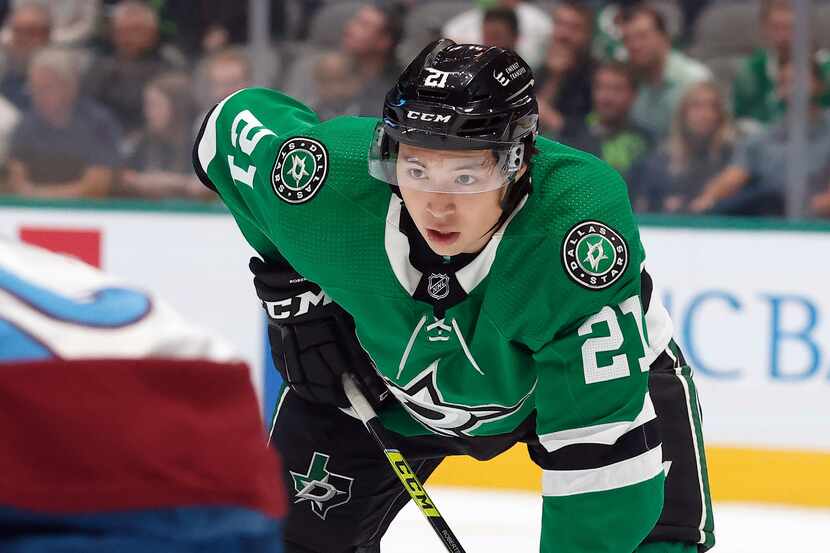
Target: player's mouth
(442, 238)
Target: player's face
(451, 223)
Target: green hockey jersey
(547, 319)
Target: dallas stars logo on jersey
(323, 489)
(300, 170)
(594, 254)
(424, 401)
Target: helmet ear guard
(515, 158)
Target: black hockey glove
(312, 338)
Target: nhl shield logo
(438, 286)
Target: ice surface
(500, 522)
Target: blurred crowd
(686, 98)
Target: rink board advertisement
(749, 301)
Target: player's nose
(440, 206)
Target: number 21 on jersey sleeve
(614, 341)
(246, 140)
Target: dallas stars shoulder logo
(300, 170)
(322, 489)
(594, 255)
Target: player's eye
(465, 180)
(416, 173)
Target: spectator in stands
(564, 82)
(117, 80)
(754, 181)
(217, 76)
(158, 164)
(664, 74)
(500, 28)
(29, 28)
(74, 22)
(228, 71)
(607, 131)
(65, 146)
(534, 28)
(338, 86)
(701, 144)
(754, 90)
(371, 39)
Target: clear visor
(489, 167)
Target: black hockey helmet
(460, 97)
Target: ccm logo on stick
(428, 117)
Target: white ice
(497, 522)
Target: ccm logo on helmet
(435, 118)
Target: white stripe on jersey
(606, 434)
(559, 483)
(659, 328)
(702, 538)
(207, 144)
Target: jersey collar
(411, 259)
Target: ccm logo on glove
(281, 309)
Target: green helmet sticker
(595, 255)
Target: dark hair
(620, 69)
(505, 15)
(651, 12)
(586, 12)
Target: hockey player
(486, 286)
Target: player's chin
(443, 243)
(446, 252)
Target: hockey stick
(407, 476)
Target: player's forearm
(611, 521)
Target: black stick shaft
(406, 475)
